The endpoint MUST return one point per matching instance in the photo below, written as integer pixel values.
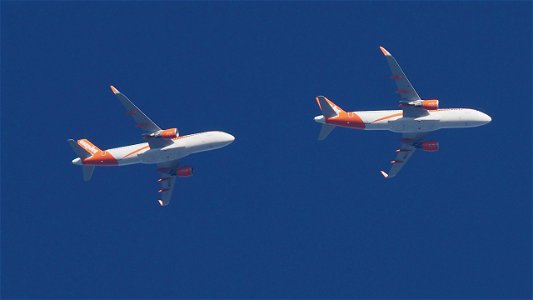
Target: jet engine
(164, 134)
(184, 171)
(430, 146)
(430, 104)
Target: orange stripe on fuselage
(147, 147)
(401, 113)
(96, 159)
(133, 152)
(388, 117)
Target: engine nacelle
(430, 146)
(164, 134)
(184, 171)
(168, 133)
(430, 104)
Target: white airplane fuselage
(416, 119)
(393, 120)
(180, 147)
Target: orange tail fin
(88, 146)
(329, 109)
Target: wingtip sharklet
(385, 175)
(114, 90)
(385, 52)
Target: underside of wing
(167, 186)
(414, 112)
(141, 120)
(167, 179)
(404, 87)
(404, 153)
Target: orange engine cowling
(184, 171)
(430, 146)
(168, 133)
(430, 104)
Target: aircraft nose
(228, 138)
(76, 161)
(485, 118)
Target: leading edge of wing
(167, 187)
(404, 153)
(142, 121)
(404, 87)
(166, 181)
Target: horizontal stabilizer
(325, 131)
(87, 172)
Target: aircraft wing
(142, 121)
(405, 89)
(404, 153)
(166, 181)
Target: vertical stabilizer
(84, 149)
(328, 108)
(325, 107)
(80, 152)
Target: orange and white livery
(415, 119)
(161, 147)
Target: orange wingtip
(114, 90)
(385, 52)
(384, 174)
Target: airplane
(162, 147)
(416, 119)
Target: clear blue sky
(275, 214)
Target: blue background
(277, 213)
